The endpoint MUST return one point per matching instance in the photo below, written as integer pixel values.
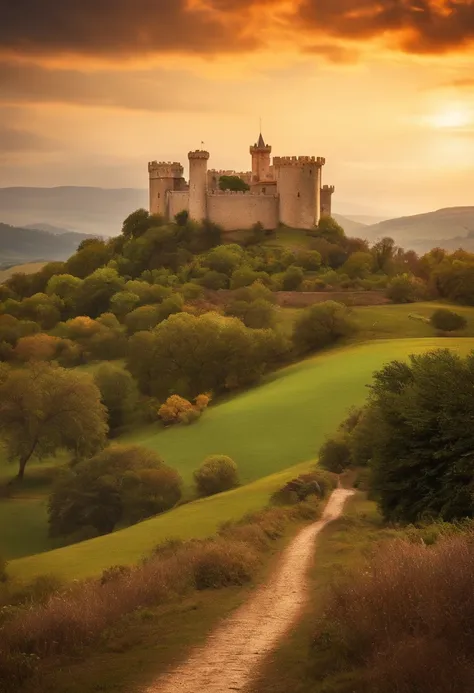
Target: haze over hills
(19, 245)
(101, 211)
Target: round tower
(164, 176)
(198, 184)
(260, 160)
(299, 188)
(327, 192)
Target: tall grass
(405, 623)
(74, 616)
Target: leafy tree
(189, 354)
(447, 321)
(122, 484)
(215, 280)
(182, 217)
(320, 325)
(291, 279)
(92, 254)
(142, 318)
(335, 455)
(329, 229)
(422, 445)
(225, 258)
(233, 183)
(257, 314)
(309, 260)
(97, 290)
(44, 408)
(177, 409)
(119, 394)
(358, 265)
(404, 289)
(139, 222)
(332, 254)
(37, 347)
(216, 474)
(383, 252)
(123, 302)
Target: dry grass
(76, 615)
(406, 622)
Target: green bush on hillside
(447, 320)
(123, 484)
(216, 474)
(321, 325)
(335, 455)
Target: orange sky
(384, 89)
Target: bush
(320, 325)
(335, 455)
(177, 409)
(217, 473)
(298, 490)
(447, 321)
(405, 289)
(220, 564)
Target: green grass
(266, 430)
(390, 321)
(192, 520)
(293, 239)
(23, 523)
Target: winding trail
(229, 659)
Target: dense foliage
(216, 474)
(121, 485)
(321, 325)
(447, 320)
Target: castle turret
(164, 176)
(327, 192)
(260, 160)
(198, 184)
(299, 188)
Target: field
(27, 268)
(266, 430)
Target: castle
(287, 191)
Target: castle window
(264, 190)
(299, 195)
(159, 195)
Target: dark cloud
(139, 28)
(156, 90)
(421, 26)
(14, 141)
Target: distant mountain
(449, 228)
(97, 211)
(49, 228)
(19, 245)
(351, 227)
(365, 219)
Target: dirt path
(232, 653)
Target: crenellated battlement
(328, 189)
(255, 149)
(199, 154)
(165, 169)
(228, 172)
(298, 161)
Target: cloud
(124, 30)
(15, 141)
(154, 90)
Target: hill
(449, 228)
(97, 211)
(351, 226)
(19, 245)
(266, 430)
(49, 228)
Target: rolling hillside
(449, 228)
(19, 245)
(266, 430)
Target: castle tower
(327, 192)
(198, 184)
(164, 176)
(260, 160)
(299, 188)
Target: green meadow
(267, 430)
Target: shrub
(217, 473)
(174, 409)
(335, 455)
(318, 483)
(447, 321)
(220, 564)
(404, 289)
(320, 325)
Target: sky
(91, 90)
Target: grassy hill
(266, 430)
(26, 268)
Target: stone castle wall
(177, 202)
(242, 210)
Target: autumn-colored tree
(45, 408)
(175, 409)
(37, 347)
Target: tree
(37, 347)
(119, 394)
(291, 279)
(92, 254)
(122, 484)
(422, 445)
(225, 258)
(320, 325)
(44, 408)
(447, 321)
(358, 265)
(383, 252)
(257, 314)
(335, 455)
(216, 474)
(96, 291)
(329, 229)
(404, 289)
(233, 183)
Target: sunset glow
(88, 96)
